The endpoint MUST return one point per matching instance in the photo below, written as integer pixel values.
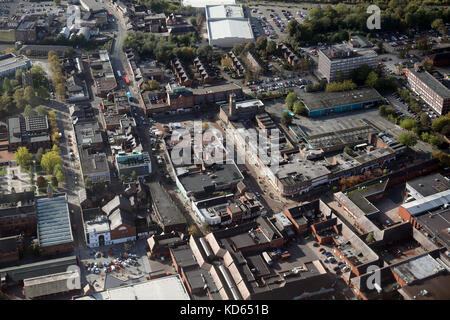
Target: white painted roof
(428, 203)
(229, 28)
(203, 3)
(224, 11)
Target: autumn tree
(23, 157)
(50, 160)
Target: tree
(443, 158)
(88, 183)
(286, 118)
(38, 155)
(43, 93)
(59, 176)
(54, 182)
(372, 79)
(41, 110)
(370, 238)
(126, 246)
(192, 230)
(18, 75)
(408, 124)
(50, 160)
(440, 123)
(133, 175)
(41, 182)
(154, 85)
(58, 2)
(290, 99)
(30, 96)
(19, 99)
(299, 108)
(7, 87)
(56, 149)
(425, 121)
(23, 157)
(123, 178)
(69, 52)
(408, 139)
(29, 111)
(349, 151)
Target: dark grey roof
(37, 269)
(432, 83)
(437, 224)
(118, 202)
(431, 184)
(167, 211)
(325, 100)
(8, 244)
(184, 257)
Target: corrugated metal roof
(434, 201)
(53, 221)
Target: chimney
(232, 104)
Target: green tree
(29, 111)
(43, 93)
(19, 99)
(286, 118)
(30, 96)
(54, 182)
(154, 85)
(443, 158)
(18, 75)
(372, 79)
(60, 176)
(408, 139)
(408, 124)
(440, 123)
(50, 160)
(123, 178)
(41, 182)
(41, 110)
(133, 175)
(349, 151)
(23, 157)
(370, 238)
(88, 183)
(299, 108)
(69, 53)
(38, 155)
(7, 87)
(290, 99)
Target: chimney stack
(232, 104)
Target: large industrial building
(203, 3)
(9, 63)
(227, 25)
(325, 103)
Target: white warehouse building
(227, 25)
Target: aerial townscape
(224, 150)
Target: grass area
(2, 171)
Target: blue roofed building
(54, 231)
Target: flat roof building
(9, 63)
(433, 92)
(227, 25)
(138, 162)
(165, 288)
(51, 284)
(427, 185)
(203, 3)
(337, 62)
(325, 103)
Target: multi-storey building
(337, 62)
(434, 93)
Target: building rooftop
(31, 270)
(423, 205)
(222, 174)
(437, 224)
(203, 3)
(10, 61)
(165, 288)
(430, 184)
(359, 195)
(167, 209)
(88, 133)
(344, 51)
(51, 284)
(432, 289)
(53, 221)
(324, 100)
(230, 28)
(8, 244)
(93, 163)
(418, 268)
(224, 11)
(299, 170)
(432, 83)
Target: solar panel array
(53, 221)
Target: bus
(119, 74)
(127, 80)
